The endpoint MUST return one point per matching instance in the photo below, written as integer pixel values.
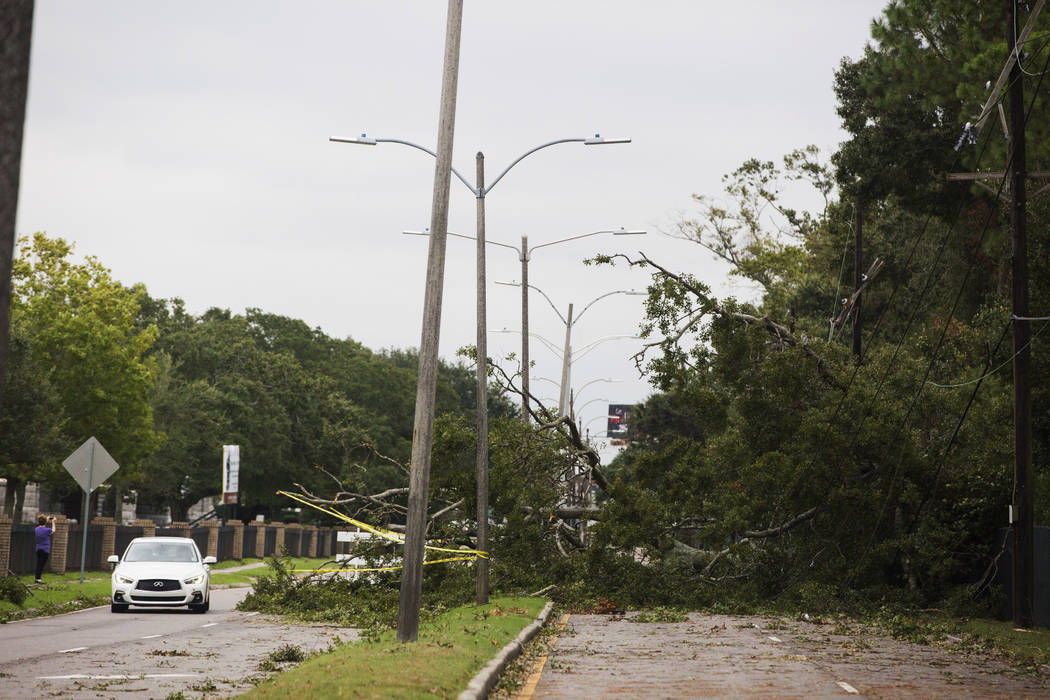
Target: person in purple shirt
(43, 543)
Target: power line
(933, 358)
(1004, 364)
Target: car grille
(157, 585)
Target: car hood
(159, 569)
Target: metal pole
(87, 507)
(482, 456)
(1023, 567)
(423, 430)
(525, 328)
(563, 402)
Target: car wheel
(118, 607)
(200, 608)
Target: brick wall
(238, 540)
(149, 528)
(59, 545)
(5, 543)
(213, 537)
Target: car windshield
(160, 551)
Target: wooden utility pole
(16, 33)
(1023, 568)
(858, 279)
(426, 384)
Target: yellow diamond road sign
(90, 465)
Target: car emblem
(158, 584)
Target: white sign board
(90, 465)
(346, 536)
(231, 467)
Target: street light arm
(595, 381)
(471, 238)
(580, 409)
(532, 286)
(366, 141)
(616, 232)
(528, 153)
(629, 292)
(587, 348)
(550, 346)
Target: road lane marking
(210, 624)
(121, 677)
(775, 639)
(252, 613)
(848, 688)
(69, 651)
(150, 636)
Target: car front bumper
(136, 594)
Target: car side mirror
(113, 559)
(210, 560)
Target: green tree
(921, 79)
(82, 324)
(31, 425)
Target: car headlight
(123, 579)
(199, 578)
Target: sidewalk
(601, 656)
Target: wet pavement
(721, 656)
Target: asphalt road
(149, 653)
(720, 656)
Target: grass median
(452, 647)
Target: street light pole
(524, 256)
(482, 450)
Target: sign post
(90, 465)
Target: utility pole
(525, 328)
(1023, 568)
(858, 279)
(426, 383)
(482, 448)
(16, 32)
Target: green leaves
(83, 340)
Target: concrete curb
(485, 680)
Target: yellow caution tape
(385, 534)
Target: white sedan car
(161, 571)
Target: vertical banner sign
(617, 430)
(231, 465)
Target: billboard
(231, 466)
(618, 430)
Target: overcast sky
(186, 146)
